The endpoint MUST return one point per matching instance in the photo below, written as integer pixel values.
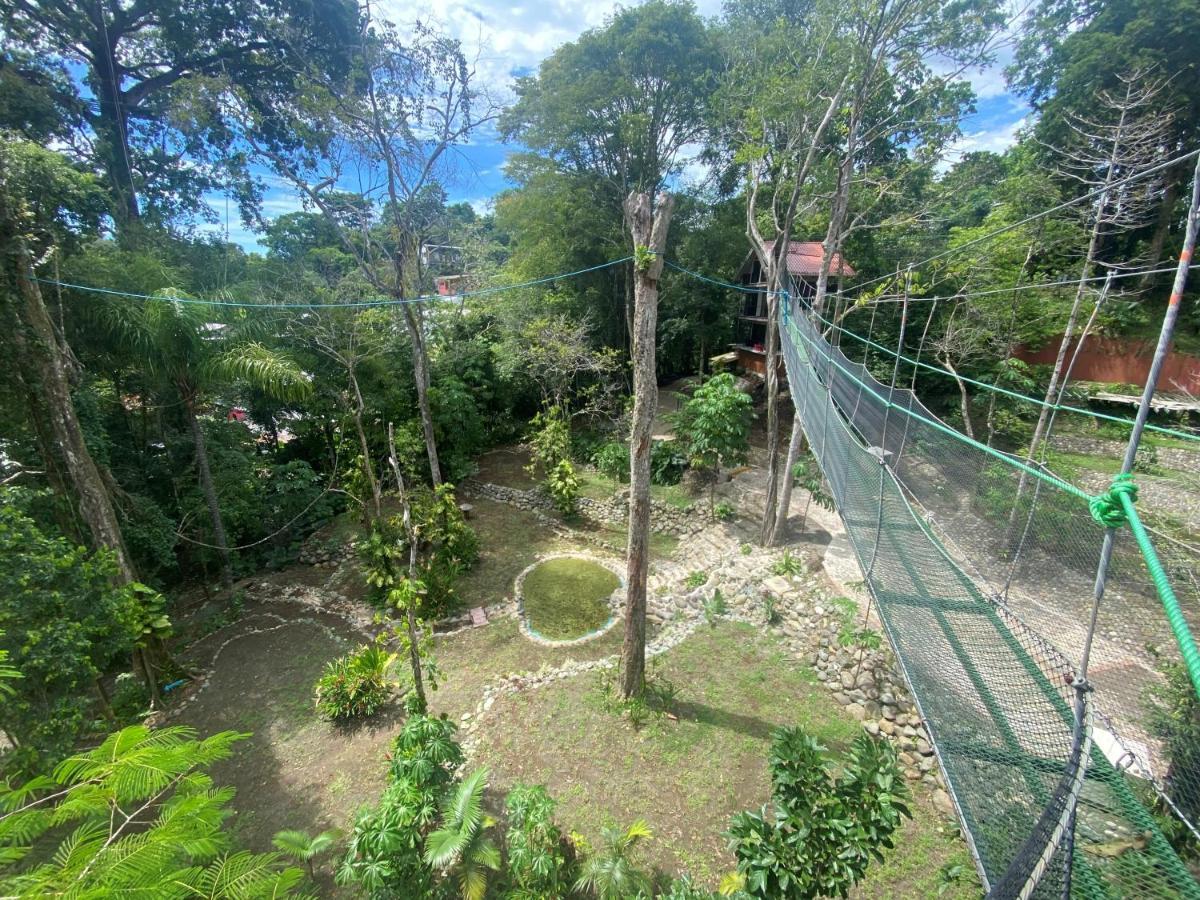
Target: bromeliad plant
(356, 685)
(823, 832)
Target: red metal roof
(804, 258)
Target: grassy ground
(601, 487)
(688, 776)
(567, 598)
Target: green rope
(1108, 508)
(1179, 626)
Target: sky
(510, 39)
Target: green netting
(923, 508)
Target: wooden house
(804, 266)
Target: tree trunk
(775, 284)
(421, 372)
(208, 488)
(112, 125)
(38, 353)
(964, 399)
(367, 466)
(785, 489)
(410, 614)
(649, 232)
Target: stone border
(616, 600)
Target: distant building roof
(804, 258)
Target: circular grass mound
(567, 598)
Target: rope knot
(1107, 508)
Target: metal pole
(1161, 351)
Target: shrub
(1174, 718)
(695, 580)
(823, 831)
(550, 440)
(610, 872)
(538, 863)
(563, 487)
(715, 607)
(667, 462)
(787, 564)
(723, 511)
(355, 685)
(611, 460)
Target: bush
(563, 487)
(611, 460)
(1174, 718)
(538, 862)
(723, 511)
(667, 462)
(356, 685)
(824, 832)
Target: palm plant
(610, 873)
(192, 348)
(299, 845)
(461, 845)
(7, 673)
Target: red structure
(804, 265)
(1120, 361)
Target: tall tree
(392, 130)
(157, 72)
(191, 351)
(648, 227)
(42, 201)
(619, 107)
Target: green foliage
(714, 425)
(461, 848)
(863, 637)
(385, 850)
(538, 864)
(667, 462)
(695, 580)
(303, 847)
(446, 548)
(610, 872)
(715, 607)
(65, 624)
(549, 440)
(823, 831)
(643, 258)
(807, 475)
(356, 685)
(725, 512)
(137, 815)
(770, 607)
(611, 460)
(788, 564)
(563, 486)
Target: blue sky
(507, 39)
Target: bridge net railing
(983, 581)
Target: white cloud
(996, 139)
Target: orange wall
(1119, 361)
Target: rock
(942, 802)
(872, 728)
(856, 712)
(888, 728)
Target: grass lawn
(567, 598)
(600, 487)
(688, 776)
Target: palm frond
(270, 370)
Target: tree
(192, 348)
(144, 818)
(618, 108)
(393, 129)
(649, 231)
(43, 202)
(461, 846)
(158, 72)
(610, 873)
(1069, 50)
(824, 831)
(715, 426)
